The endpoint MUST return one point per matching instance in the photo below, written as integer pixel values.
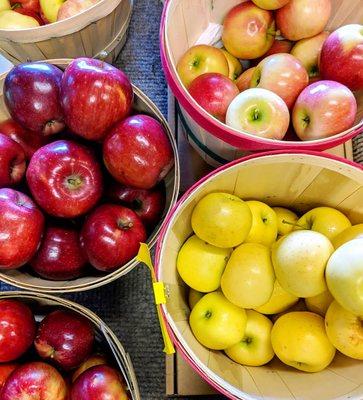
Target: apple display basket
(99, 31)
(189, 22)
(309, 179)
(105, 338)
(23, 279)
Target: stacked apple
(71, 138)
(23, 14)
(58, 359)
(303, 78)
(265, 282)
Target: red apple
(21, 225)
(30, 5)
(65, 179)
(66, 338)
(60, 256)
(31, 93)
(12, 162)
(95, 95)
(137, 152)
(323, 109)
(341, 57)
(35, 380)
(278, 46)
(214, 93)
(244, 80)
(5, 372)
(92, 361)
(111, 236)
(99, 382)
(17, 329)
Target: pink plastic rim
(166, 225)
(234, 138)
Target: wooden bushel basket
(42, 304)
(189, 22)
(99, 31)
(309, 180)
(23, 279)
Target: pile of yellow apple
(266, 282)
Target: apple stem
(124, 225)
(293, 224)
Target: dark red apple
(31, 93)
(99, 383)
(94, 96)
(111, 236)
(5, 372)
(65, 179)
(17, 329)
(66, 338)
(60, 256)
(137, 152)
(35, 381)
(92, 361)
(214, 92)
(21, 224)
(12, 162)
(31, 5)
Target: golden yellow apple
(193, 297)
(234, 66)
(255, 348)
(299, 340)
(50, 9)
(320, 303)
(10, 19)
(286, 219)
(248, 279)
(299, 306)
(5, 5)
(270, 4)
(222, 219)
(353, 232)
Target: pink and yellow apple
(278, 46)
(270, 4)
(244, 80)
(234, 65)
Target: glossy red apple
(5, 372)
(99, 382)
(60, 256)
(31, 5)
(31, 93)
(65, 179)
(35, 380)
(92, 361)
(111, 236)
(12, 162)
(21, 225)
(95, 95)
(66, 338)
(341, 57)
(213, 92)
(17, 329)
(137, 152)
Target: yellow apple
(326, 220)
(248, 280)
(264, 223)
(299, 259)
(286, 219)
(255, 348)
(5, 5)
(319, 304)
(194, 297)
(279, 301)
(299, 340)
(270, 4)
(201, 265)
(344, 276)
(50, 9)
(345, 331)
(10, 19)
(217, 323)
(299, 306)
(222, 219)
(234, 66)
(199, 60)
(353, 232)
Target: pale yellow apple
(248, 280)
(344, 276)
(201, 264)
(5, 5)
(10, 19)
(217, 323)
(279, 301)
(299, 259)
(270, 4)
(50, 9)
(255, 348)
(345, 331)
(299, 306)
(193, 297)
(286, 219)
(319, 304)
(353, 232)
(264, 223)
(234, 66)
(326, 220)
(222, 219)
(299, 340)
(199, 60)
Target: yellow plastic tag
(159, 293)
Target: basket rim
(225, 133)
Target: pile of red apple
(299, 78)
(56, 359)
(80, 172)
